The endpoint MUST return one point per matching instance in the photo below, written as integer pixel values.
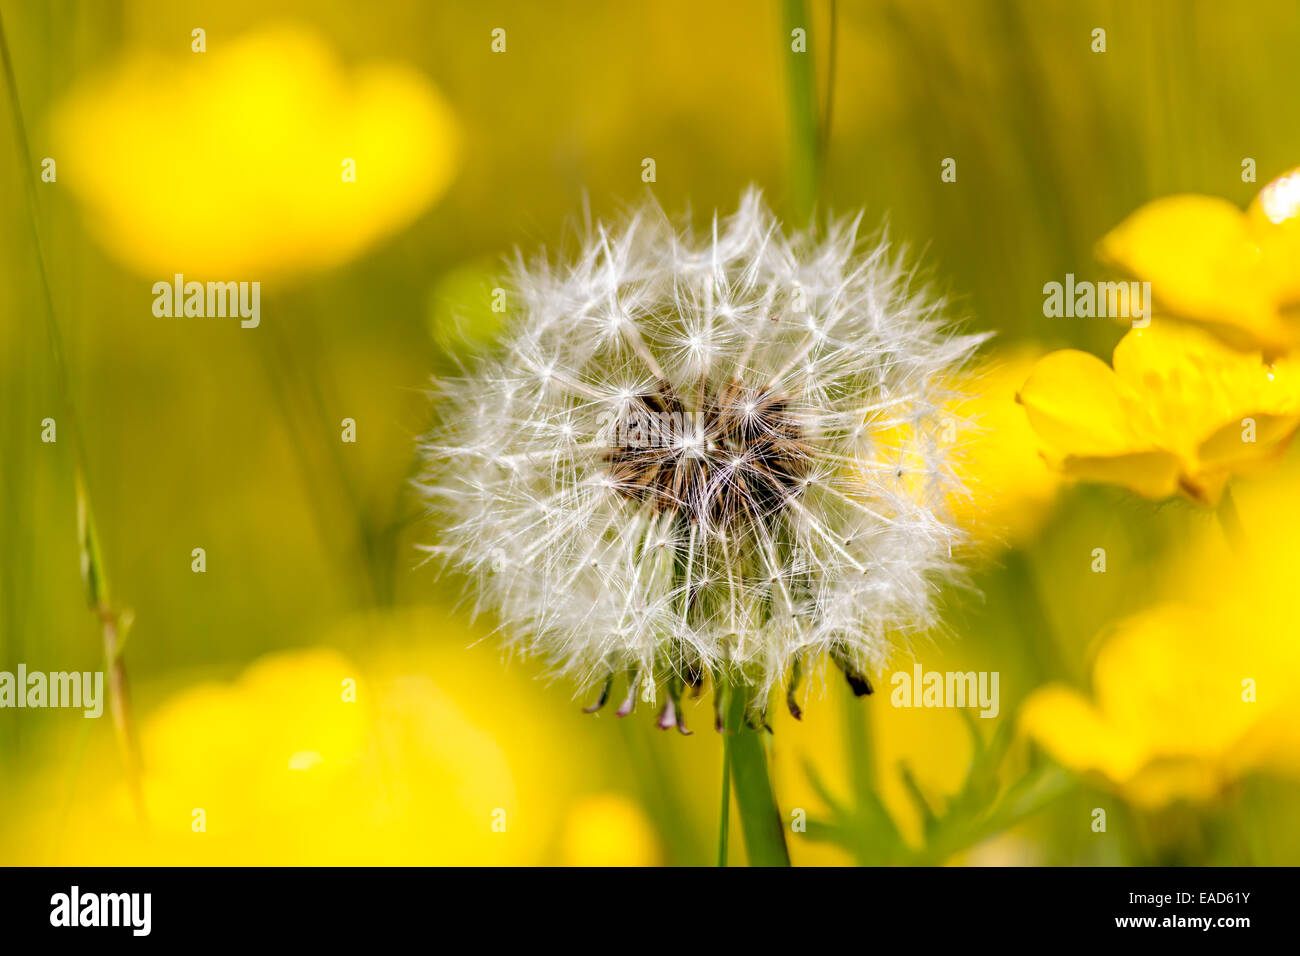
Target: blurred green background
(201, 434)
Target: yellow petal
(1212, 405)
(1237, 447)
(1167, 716)
(1079, 407)
(1151, 474)
(1095, 426)
(1163, 678)
(1077, 736)
(1275, 219)
(1203, 260)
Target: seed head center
(734, 455)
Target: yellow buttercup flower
(307, 758)
(1166, 719)
(263, 155)
(1202, 689)
(1180, 411)
(1208, 262)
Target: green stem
(760, 818)
(112, 622)
(805, 137)
(724, 814)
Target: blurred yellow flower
(1180, 412)
(608, 830)
(1185, 701)
(240, 161)
(1002, 489)
(1208, 262)
(1166, 720)
(1009, 488)
(305, 759)
(1203, 688)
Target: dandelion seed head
(671, 468)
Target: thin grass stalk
(113, 624)
(828, 105)
(801, 95)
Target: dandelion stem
(760, 819)
(724, 814)
(113, 624)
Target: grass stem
(801, 94)
(113, 624)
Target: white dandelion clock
(684, 464)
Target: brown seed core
(737, 455)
